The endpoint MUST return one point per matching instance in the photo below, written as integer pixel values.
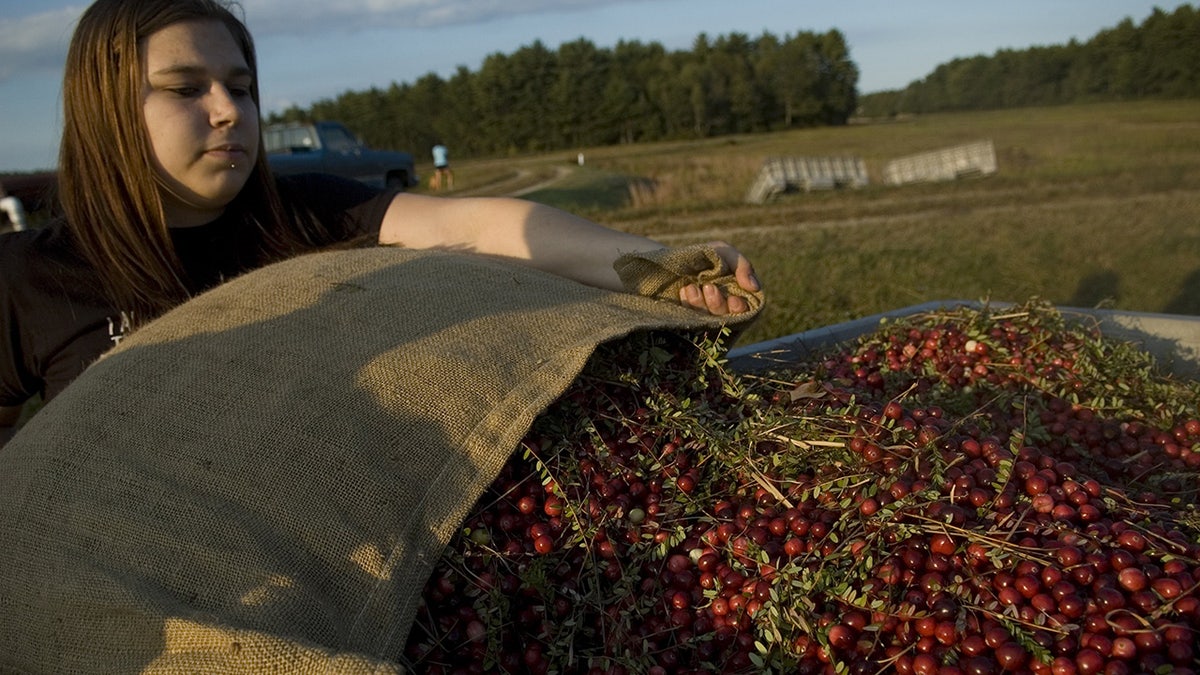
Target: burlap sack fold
(262, 479)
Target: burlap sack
(262, 479)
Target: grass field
(1095, 205)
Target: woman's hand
(710, 298)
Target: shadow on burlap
(262, 479)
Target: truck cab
(329, 147)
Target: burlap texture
(661, 273)
(262, 479)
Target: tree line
(538, 99)
(1156, 59)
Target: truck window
(273, 139)
(339, 140)
(288, 138)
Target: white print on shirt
(118, 327)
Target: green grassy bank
(1094, 205)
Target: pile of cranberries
(957, 493)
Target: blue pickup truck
(329, 147)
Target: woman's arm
(543, 237)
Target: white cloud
(36, 43)
(298, 17)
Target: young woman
(166, 191)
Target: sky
(310, 50)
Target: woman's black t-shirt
(55, 319)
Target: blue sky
(315, 49)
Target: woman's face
(200, 117)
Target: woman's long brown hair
(108, 186)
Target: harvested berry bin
(958, 489)
(1173, 339)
